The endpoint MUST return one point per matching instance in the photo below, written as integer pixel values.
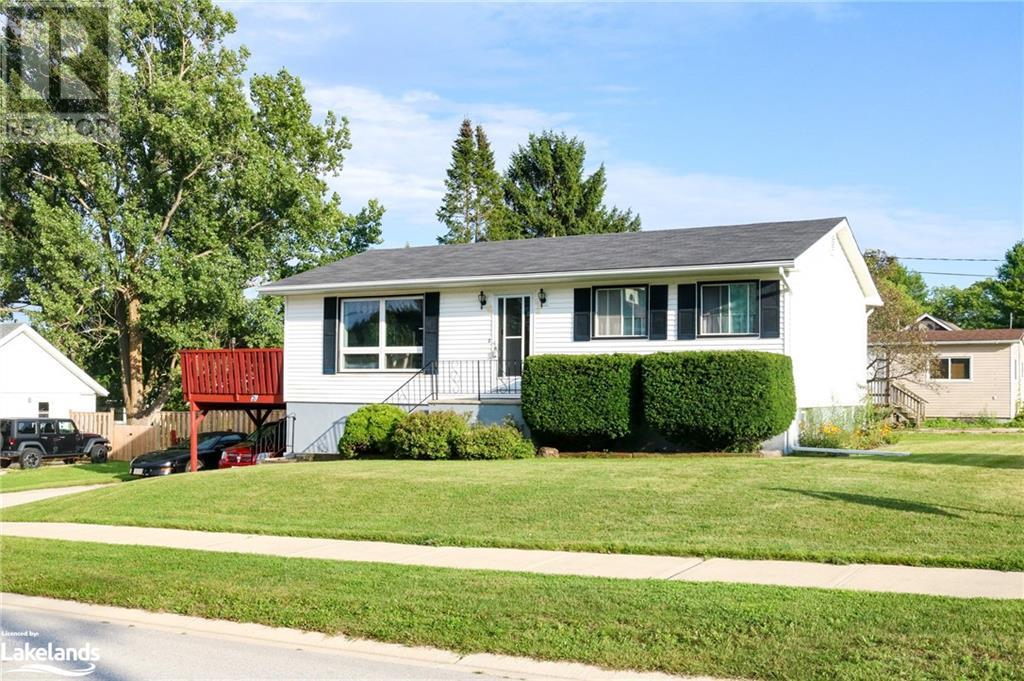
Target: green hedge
(428, 435)
(493, 442)
(580, 400)
(368, 430)
(727, 400)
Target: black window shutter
(431, 312)
(657, 300)
(770, 309)
(581, 314)
(330, 335)
(686, 307)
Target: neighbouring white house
(975, 373)
(449, 326)
(37, 379)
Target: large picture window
(729, 309)
(620, 312)
(950, 369)
(382, 333)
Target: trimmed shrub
(581, 400)
(493, 442)
(368, 430)
(428, 434)
(720, 400)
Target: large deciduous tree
(472, 207)
(547, 193)
(125, 252)
(973, 307)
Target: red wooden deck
(233, 379)
(247, 379)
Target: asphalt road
(136, 653)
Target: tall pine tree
(546, 193)
(472, 205)
(488, 186)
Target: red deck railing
(243, 376)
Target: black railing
(460, 378)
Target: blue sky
(907, 118)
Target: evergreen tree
(459, 209)
(488, 187)
(546, 193)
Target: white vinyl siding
(30, 377)
(467, 332)
(827, 326)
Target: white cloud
(301, 28)
(402, 147)
(665, 199)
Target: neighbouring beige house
(977, 372)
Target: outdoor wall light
(542, 297)
(483, 299)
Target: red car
(265, 443)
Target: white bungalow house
(449, 326)
(37, 379)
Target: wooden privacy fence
(129, 440)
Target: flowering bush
(825, 435)
(873, 429)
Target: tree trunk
(133, 384)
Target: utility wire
(907, 257)
(958, 274)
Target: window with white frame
(620, 311)
(382, 333)
(729, 309)
(950, 369)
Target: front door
(513, 334)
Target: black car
(29, 440)
(176, 458)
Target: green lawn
(953, 445)
(683, 628)
(62, 475)
(928, 509)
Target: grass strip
(64, 475)
(683, 628)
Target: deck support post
(195, 418)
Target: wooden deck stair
(907, 406)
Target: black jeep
(30, 440)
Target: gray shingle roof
(730, 244)
(7, 328)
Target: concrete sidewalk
(9, 499)
(960, 583)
